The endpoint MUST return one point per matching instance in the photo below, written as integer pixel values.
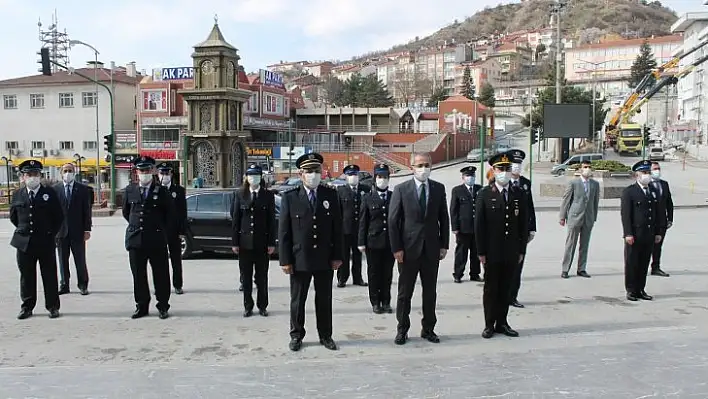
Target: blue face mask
(469, 180)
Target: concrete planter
(611, 183)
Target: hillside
(582, 19)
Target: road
(579, 337)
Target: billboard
(567, 121)
(269, 78)
(177, 73)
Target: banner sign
(179, 73)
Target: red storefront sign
(159, 154)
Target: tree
(643, 64)
(366, 91)
(439, 95)
(468, 89)
(350, 91)
(332, 90)
(486, 95)
(411, 85)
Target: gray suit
(579, 210)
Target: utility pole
(556, 9)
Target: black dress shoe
(163, 314)
(584, 274)
(488, 333)
(401, 339)
(247, 313)
(475, 277)
(516, 304)
(263, 312)
(180, 291)
(430, 336)
(387, 308)
(54, 313)
(377, 309)
(64, 290)
(328, 343)
(295, 344)
(139, 313)
(565, 275)
(457, 280)
(341, 284)
(632, 297)
(84, 291)
(506, 330)
(659, 272)
(240, 287)
(645, 296)
(361, 284)
(24, 314)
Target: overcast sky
(160, 33)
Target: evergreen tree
(643, 64)
(439, 95)
(350, 92)
(373, 93)
(467, 84)
(486, 96)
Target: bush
(610, 166)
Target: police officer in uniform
(174, 242)
(350, 195)
(253, 239)
(310, 248)
(462, 211)
(150, 212)
(501, 229)
(642, 228)
(374, 241)
(519, 182)
(37, 216)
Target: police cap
(30, 165)
(309, 161)
(144, 162)
(468, 170)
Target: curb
(547, 208)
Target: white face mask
(312, 179)
(353, 180)
(516, 169)
(644, 179)
(165, 180)
(502, 177)
(253, 180)
(68, 177)
(32, 182)
(421, 174)
(586, 172)
(656, 174)
(469, 180)
(145, 178)
(381, 183)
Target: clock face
(230, 70)
(207, 67)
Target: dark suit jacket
(641, 215)
(501, 228)
(666, 203)
(373, 222)
(525, 186)
(350, 204)
(77, 215)
(179, 197)
(38, 223)
(462, 208)
(414, 232)
(253, 222)
(309, 240)
(149, 218)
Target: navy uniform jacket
(149, 219)
(462, 208)
(350, 202)
(179, 197)
(666, 203)
(525, 185)
(253, 222)
(77, 216)
(38, 223)
(309, 240)
(641, 216)
(501, 228)
(373, 221)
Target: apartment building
(481, 73)
(512, 57)
(284, 66)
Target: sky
(160, 33)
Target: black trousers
(27, 263)
(299, 285)
(380, 273)
(175, 247)
(250, 263)
(427, 266)
(77, 247)
(497, 289)
(351, 252)
(466, 247)
(656, 254)
(636, 264)
(157, 257)
(516, 281)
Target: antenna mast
(56, 41)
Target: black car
(290, 183)
(365, 178)
(209, 221)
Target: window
(210, 203)
(173, 105)
(160, 137)
(192, 203)
(66, 100)
(154, 100)
(36, 100)
(12, 145)
(89, 99)
(10, 101)
(38, 145)
(90, 145)
(66, 145)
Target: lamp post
(8, 164)
(556, 9)
(78, 158)
(95, 79)
(594, 96)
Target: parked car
(365, 178)
(502, 148)
(476, 155)
(209, 221)
(286, 185)
(559, 169)
(656, 154)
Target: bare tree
(332, 90)
(411, 85)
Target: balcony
(393, 128)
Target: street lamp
(95, 77)
(8, 165)
(594, 96)
(78, 158)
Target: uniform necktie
(144, 192)
(658, 187)
(31, 197)
(646, 192)
(516, 183)
(422, 198)
(313, 200)
(383, 196)
(504, 194)
(254, 195)
(68, 195)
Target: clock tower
(215, 137)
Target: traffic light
(46, 68)
(347, 141)
(108, 143)
(534, 136)
(646, 134)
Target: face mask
(516, 168)
(353, 180)
(145, 179)
(381, 183)
(585, 172)
(311, 180)
(469, 180)
(644, 179)
(656, 174)
(32, 182)
(502, 177)
(68, 177)
(165, 180)
(253, 180)
(421, 174)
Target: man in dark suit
(174, 236)
(462, 220)
(37, 216)
(666, 211)
(643, 227)
(501, 227)
(150, 212)
(519, 182)
(75, 199)
(310, 239)
(419, 230)
(350, 196)
(374, 241)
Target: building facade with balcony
(481, 73)
(54, 118)
(512, 57)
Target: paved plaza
(579, 337)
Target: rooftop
(66, 78)
(687, 20)
(678, 38)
